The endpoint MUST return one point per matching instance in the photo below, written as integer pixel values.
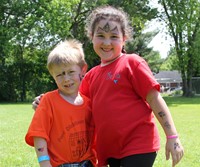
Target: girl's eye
(100, 35)
(114, 36)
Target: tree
(140, 47)
(17, 19)
(29, 30)
(183, 20)
(171, 62)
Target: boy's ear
(84, 69)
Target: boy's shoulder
(52, 93)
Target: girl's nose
(106, 42)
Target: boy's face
(68, 78)
(108, 40)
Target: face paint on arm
(176, 145)
(167, 125)
(161, 114)
(41, 149)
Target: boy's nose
(66, 77)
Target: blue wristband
(43, 158)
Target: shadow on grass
(14, 103)
(177, 100)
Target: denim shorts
(86, 163)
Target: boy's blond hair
(67, 52)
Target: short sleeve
(142, 78)
(41, 122)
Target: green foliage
(29, 30)
(171, 62)
(140, 46)
(183, 20)
(197, 55)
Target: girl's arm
(36, 101)
(162, 113)
(40, 145)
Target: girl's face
(67, 78)
(108, 40)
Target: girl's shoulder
(92, 71)
(133, 57)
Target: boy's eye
(63, 73)
(58, 75)
(71, 72)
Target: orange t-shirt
(68, 129)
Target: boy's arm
(40, 145)
(162, 113)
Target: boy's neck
(75, 99)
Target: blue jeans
(78, 164)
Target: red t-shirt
(68, 129)
(124, 121)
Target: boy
(62, 130)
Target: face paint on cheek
(81, 77)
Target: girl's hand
(36, 101)
(174, 147)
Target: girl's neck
(107, 63)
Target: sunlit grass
(14, 152)
(15, 119)
(186, 115)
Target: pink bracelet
(172, 137)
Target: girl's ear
(91, 36)
(124, 38)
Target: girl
(125, 97)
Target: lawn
(15, 119)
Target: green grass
(15, 119)
(186, 116)
(14, 122)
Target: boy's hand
(45, 164)
(174, 147)
(36, 101)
